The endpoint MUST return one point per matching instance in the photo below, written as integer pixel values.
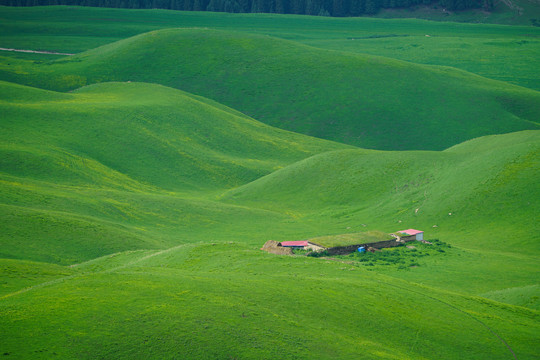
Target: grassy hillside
(139, 136)
(227, 300)
(484, 188)
(99, 170)
(480, 196)
(357, 99)
(132, 213)
(507, 53)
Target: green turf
(174, 304)
(507, 53)
(132, 214)
(373, 102)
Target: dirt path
(34, 51)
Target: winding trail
(461, 311)
(136, 261)
(34, 51)
(62, 279)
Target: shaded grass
(95, 135)
(527, 296)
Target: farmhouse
(346, 243)
(410, 234)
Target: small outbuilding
(412, 234)
(306, 245)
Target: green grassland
(227, 300)
(494, 175)
(507, 53)
(72, 167)
(285, 84)
(135, 192)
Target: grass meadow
(258, 75)
(140, 177)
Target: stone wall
(343, 250)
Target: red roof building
(418, 233)
(294, 243)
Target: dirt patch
(272, 247)
(35, 51)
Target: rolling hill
(189, 142)
(112, 161)
(227, 300)
(132, 212)
(484, 188)
(363, 100)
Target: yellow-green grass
(527, 296)
(21, 274)
(351, 239)
(228, 300)
(358, 99)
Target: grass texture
(134, 202)
(507, 53)
(373, 102)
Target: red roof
(411, 231)
(294, 243)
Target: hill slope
(123, 166)
(479, 194)
(358, 99)
(132, 133)
(226, 300)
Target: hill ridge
(375, 102)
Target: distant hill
(313, 7)
(510, 12)
(368, 101)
